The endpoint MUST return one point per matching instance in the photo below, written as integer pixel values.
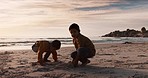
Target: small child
(84, 47)
(45, 46)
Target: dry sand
(111, 61)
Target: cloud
(123, 5)
(44, 12)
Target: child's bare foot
(47, 61)
(83, 64)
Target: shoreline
(115, 60)
(26, 43)
(17, 48)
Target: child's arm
(75, 44)
(40, 60)
(54, 55)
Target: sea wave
(15, 43)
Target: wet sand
(111, 61)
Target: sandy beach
(115, 60)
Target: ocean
(26, 43)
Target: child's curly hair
(56, 44)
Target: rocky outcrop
(128, 33)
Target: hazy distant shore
(111, 61)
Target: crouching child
(84, 47)
(49, 48)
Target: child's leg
(84, 61)
(84, 54)
(74, 55)
(46, 57)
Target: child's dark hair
(74, 26)
(56, 44)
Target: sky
(52, 18)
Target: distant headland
(128, 33)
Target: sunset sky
(51, 18)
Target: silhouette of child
(84, 47)
(45, 46)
